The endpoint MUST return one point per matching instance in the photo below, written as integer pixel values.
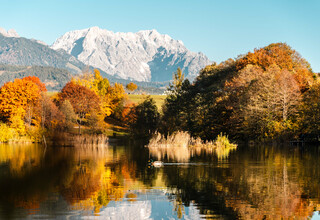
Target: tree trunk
(79, 123)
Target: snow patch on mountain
(143, 56)
(9, 33)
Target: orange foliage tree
(263, 102)
(83, 100)
(16, 98)
(131, 86)
(51, 116)
(111, 97)
(37, 81)
(284, 57)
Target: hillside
(54, 78)
(25, 52)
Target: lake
(117, 182)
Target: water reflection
(115, 182)
(68, 181)
(259, 183)
(184, 154)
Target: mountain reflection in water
(115, 182)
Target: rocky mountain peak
(9, 33)
(140, 56)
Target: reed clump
(84, 140)
(181, 146)
(183, 139)
(178, 139)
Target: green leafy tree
(145, 118)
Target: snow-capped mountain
(142, 56)
(9, 33)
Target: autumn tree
(37, 81)
(30, 110)
(15, 99)
(255, 96)
(178, 78)
(111, 96)
(69, 114)
(92, 80)
(82, 99)
(51, 116)
(263, 102)
(284, 57)
(310, 111)
(85, 79)
(125, 116)
(115, 96)
(103, 87)
(131, 86)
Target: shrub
(35, 134)
(6, 133)
(222, 141)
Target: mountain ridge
(143, 56)
(27, 52)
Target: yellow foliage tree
(114, 98)
(17, 122)
(131, 86)
(91, 80)
(16, 99)
(111, 96)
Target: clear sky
(220, 29)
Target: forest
(268, 94)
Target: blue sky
(220, 29)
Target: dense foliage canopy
(145, 118)
(258, 95)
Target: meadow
(159, 99)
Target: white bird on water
(155, 163)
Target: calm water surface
(117, 183)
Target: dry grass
(52, 93)
(180, 146)
(159, 99)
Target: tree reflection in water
(266, 183)
(86, 178)
(183, 154)
(252, 183)
(27, 175)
